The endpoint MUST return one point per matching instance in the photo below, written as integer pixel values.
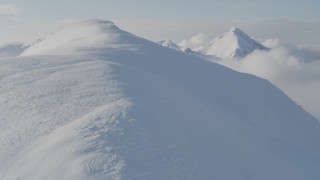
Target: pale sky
(155, 19)
(241, 10)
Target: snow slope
(170, 44)
(122, 107)
(232, 44)
(11, 50)
(79, 38)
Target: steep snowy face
(168, 43)
(232, 44)
(80, 37)
(122, 107)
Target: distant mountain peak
(237, 31)
(103, 21)
(233, 44)
(234, 29)
(170, 44)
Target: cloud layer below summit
(295, 70)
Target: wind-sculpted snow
(11, 50)
(136, 110)
(54, 114)
(80, 37)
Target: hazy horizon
(296, 22)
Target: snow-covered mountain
(170, 44)
(92, 101)
(79, 38)
(232, 44)
(11, 50)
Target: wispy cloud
(295, 70)
(195, 42)
(9, 12)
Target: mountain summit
(93, 102)
(170, 44)
(232, 44)
(80, 37)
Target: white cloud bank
(295, 70)
(9, 11)
(196, 42)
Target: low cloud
(196, 42)
(9, 12)
(295, 70)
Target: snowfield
(91, 101)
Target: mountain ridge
(122, 107)
(79, 36)
(233, 44)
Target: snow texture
(94, 102)
(11, 50)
